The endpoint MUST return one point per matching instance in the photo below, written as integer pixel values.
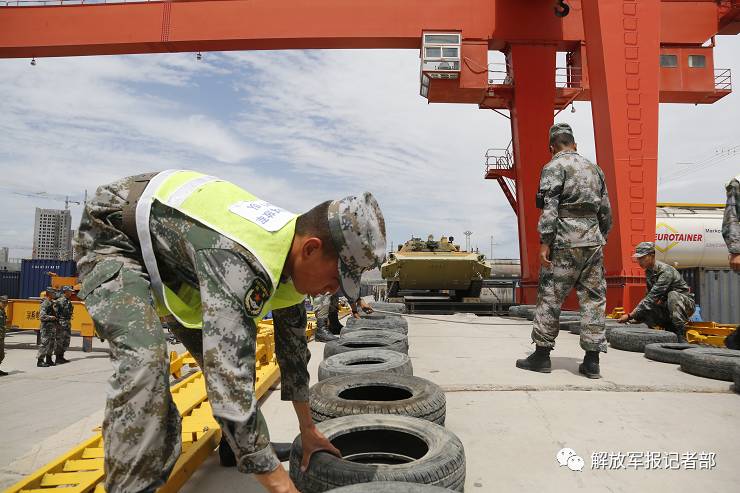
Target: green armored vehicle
(433, 265)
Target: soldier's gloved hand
(545, 256)
(735, 262)
(312, 440)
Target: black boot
(590, 365)
(323, 334)
(681, 334)
(335, 326)
(537, 361)
(41, 363)
(226, 454)
(282, 450)
(3, 373)
(49, 361)
(60, 359)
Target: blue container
(10, 283)
(35, 277)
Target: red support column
(623, 48)
(533, 70)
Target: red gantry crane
(625, 56)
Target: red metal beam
(212, 25)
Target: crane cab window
(668, 61)
(697, 61)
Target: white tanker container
(690, 235)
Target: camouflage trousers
(582, 268)
(2, 344)
(671, 315)
(141, 427)
(63, 337)
(48, 340)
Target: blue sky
(298, 128)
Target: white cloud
(299, 128)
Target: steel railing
(722, 79)
(499, 159)
(565, 77)
(498, 74)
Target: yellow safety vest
(263, 229)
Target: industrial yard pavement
(512, 422)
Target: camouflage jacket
(731, 221)
(573, 186)
(661, 280)
(225, 273)
(46, 312)
(63, 308)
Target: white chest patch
(264, 214)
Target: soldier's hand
(355, 315)
(624, 319)
(545, 256)
(735, 262)
(312, 440)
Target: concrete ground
(511, 422)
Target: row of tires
(658, 345)
(388, 424)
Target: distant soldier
(321, 307)
(731, 222)
(63, 308)
(731, 233)
(576, 218)
(48, 319)
(3, 323)
(668, 302)
(335, 326)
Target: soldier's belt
(576, 214)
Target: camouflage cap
(358, 231)
(644, 248)
(560, 128)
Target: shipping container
(717, 291)
(10, 283)
(35, 277)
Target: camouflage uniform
(731, 221)
(575, 221)
(142, 425)
(321, 304)
(668, 303)
(3, 323)
(63, 308)
(48, 328)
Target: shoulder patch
(256, 297)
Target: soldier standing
(668, 302)
(216, 259)
(3, 323)
(48, 319)
(731, 222)
(63, 308)
(321, 307)
(576, 218)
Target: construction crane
(43, 195)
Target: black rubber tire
(736, 378)
(390, 487)
(364, 362)
(711, 362)
(610, 326)
(635, 338)
(366, 325)
(528, 314)
(572, 326)
(667, 352)
(378, 393)
(377, 321)
(368, 339)
(388, 307)
(415, 451)
(520, 310)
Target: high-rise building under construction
(52, 234)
